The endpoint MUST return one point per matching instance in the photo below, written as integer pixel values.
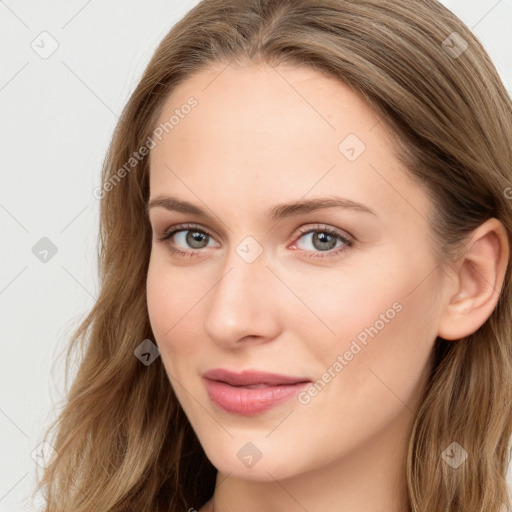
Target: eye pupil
(324, 239)
(195, 237)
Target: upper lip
(250, 377)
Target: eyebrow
(279, 211)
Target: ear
(480, 273)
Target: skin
(258, 137)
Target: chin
(267, 469)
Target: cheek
(384, 315)
(157, 299)
(395, 333)
(173, 299)
(164, 304)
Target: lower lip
(250, 401)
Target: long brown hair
(122, 439)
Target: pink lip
(231, 392)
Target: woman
(305, 282)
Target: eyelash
(303, 231)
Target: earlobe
(479, 280)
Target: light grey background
(58, 114)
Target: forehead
(262, 99)
(276, 134)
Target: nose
(243, 304)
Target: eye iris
(324, 239)
(195, 237)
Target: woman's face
(344, 297)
